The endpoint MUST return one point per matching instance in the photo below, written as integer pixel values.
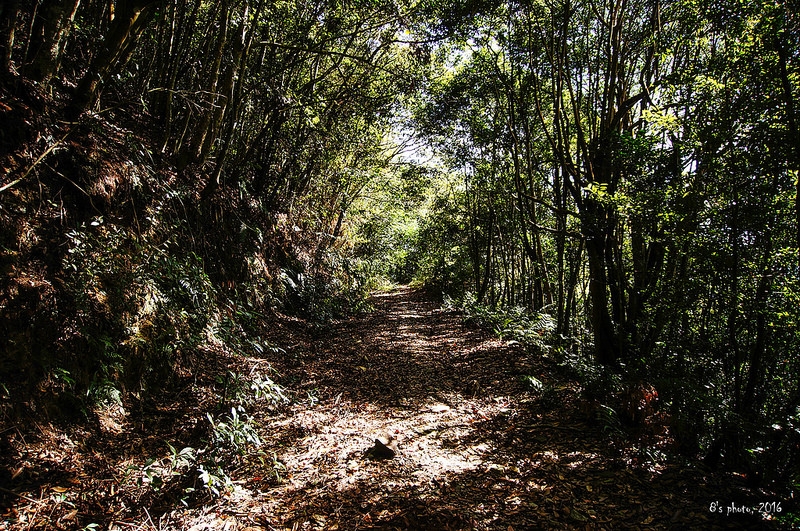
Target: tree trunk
(129, 19)
(597, 222)
(234, 87)
(49, 32)
(794, 147)
(606, 342)
(8, 24)
(205, 131)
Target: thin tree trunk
(204, 132)
(755, 374)
(487, 269)
(234, 87)
(129, 19)
(8, 24)
(49, 31)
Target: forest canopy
(623, 174)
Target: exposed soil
(476, 448)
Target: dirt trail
(476, 451)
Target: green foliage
(608, 418)
(266, 390)
(442, 247)
(547, 395)
(233, 439)
(616, 181)
(337, 288)
(156, 473)
(533, 384)
(136, 305)
(234, 433)
(104, 393)
(387, 240)
(659, 230)
(257, 388)
(254, 160)
(517, 324)
(214, 479)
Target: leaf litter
(472, 447)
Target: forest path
(476, 451)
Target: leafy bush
(516, 324)
(334, 287)
(233, 433)
(135, 306)
(233, 439)
(158, 472)
(240, 390)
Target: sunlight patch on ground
(413, 316)
(435, 441)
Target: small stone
(384, 448)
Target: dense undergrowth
(116, 275)
(122, 289)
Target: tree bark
(8, 24)
(49, 31)
(606, 340)
(130, 18)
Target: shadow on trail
(475, 450)
(544, 486)
(408, 350)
